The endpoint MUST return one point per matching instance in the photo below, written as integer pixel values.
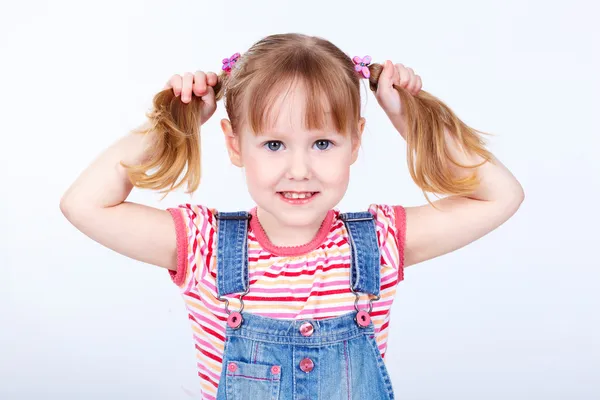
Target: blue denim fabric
(347, 362)
(232, 252)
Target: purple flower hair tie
(361, 65)
(229, 63)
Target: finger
(415, 85)
(186, 91)
(388, 72)
(404, 75)
(199, 83)
(386, 79)
(209, 97)
(211, 78)
(412, 75)
(175, 83)
(419, 84)
(412, 82)
(396, 79)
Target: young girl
(292, 298)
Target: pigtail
(175, 147)
(427, 120)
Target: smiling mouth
(298, 198)
(297, 195)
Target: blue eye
(322, 144)
(273, 145)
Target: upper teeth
(295, 195)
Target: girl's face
(294, 175)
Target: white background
(512, 316)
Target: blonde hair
(329, 77)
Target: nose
(299, 166)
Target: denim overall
(308, 359)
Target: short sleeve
(195, 230)
(391, 233)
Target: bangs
(331, 100)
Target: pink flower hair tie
(361, 65)
(229, 63)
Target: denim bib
(308, 359)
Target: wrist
(399, 122)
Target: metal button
(275, 369)
(307, 365)
(306, 329)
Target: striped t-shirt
(300, 282)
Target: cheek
(334, 170)
(260, 170)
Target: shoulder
(389, 217)
(195, 226)
(200, 221)
(195, 218)
(193, 212)
(390, 224)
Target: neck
(282, 235)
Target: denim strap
(232, 252)
(365, 253)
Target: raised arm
(168, 145)
(458, 220)
(447, 157)
(95, 204)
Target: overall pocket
(252, 381)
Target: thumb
(386, 78)
(385, 81)
(209, 97)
